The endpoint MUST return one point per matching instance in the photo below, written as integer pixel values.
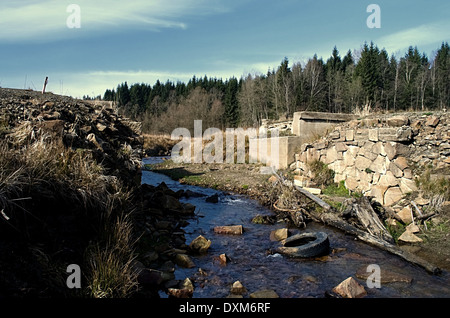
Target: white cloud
(46, 20)
(423, 35)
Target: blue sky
(145, 40)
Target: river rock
(265, 293)
(184, 260)
(238, 288)
(200, 245)
(230, 229)
(350, 288)
(213, 199)
(279, 234)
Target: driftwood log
(374, 234)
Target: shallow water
(254, 263)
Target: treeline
(369, 79)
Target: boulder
(184, 260)
(238, 288)
(398, 121)
(432, 121)
(350, 288)
(266, 293)
(408, 237)
(213, 198)
(279, 234)
(200, 245)
(405, 215)
(392, 196)
(413, 228)
(230, 229)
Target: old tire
(305, 245)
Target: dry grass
(35, 165)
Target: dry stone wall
(376, 155)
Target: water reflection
(252, 262)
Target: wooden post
(45, 85)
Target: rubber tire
(318, 246)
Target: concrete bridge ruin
(305, 127)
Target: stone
(373, 134)
(266, 293)
(150, 277)
(224, 259)
(230, 230)
(377, 193)
(213, 198)
(349, 157)
(171, 203)
(413, 228)
(422, 201)
(279, 234)
(341, 147)
(200, 245)
(188, 208)
(396, 171)
(351, 183)
(350, 288)
(398, 121)
(315, 191)
(378, 148)
(349, 135)
(180, 293)
(361, 163)
(272, 179)
(379, 165)
(390, 150)
(388, 180)
(392, 196)
(238, 288)
(402, 163)
(335, 134)
(405, 215)
(332, 155)
(407, 185)
(407, 173)
(432, 121)
(184, 260)
(408, 237)
(301, 181)
(404, 134)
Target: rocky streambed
(247, 264)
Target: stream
(254, 262)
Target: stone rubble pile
(114, 141)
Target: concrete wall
(282, 158)
(311, 125)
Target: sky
(87, 46)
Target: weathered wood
(316, 199)
(370, 220)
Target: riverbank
(245, 179)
